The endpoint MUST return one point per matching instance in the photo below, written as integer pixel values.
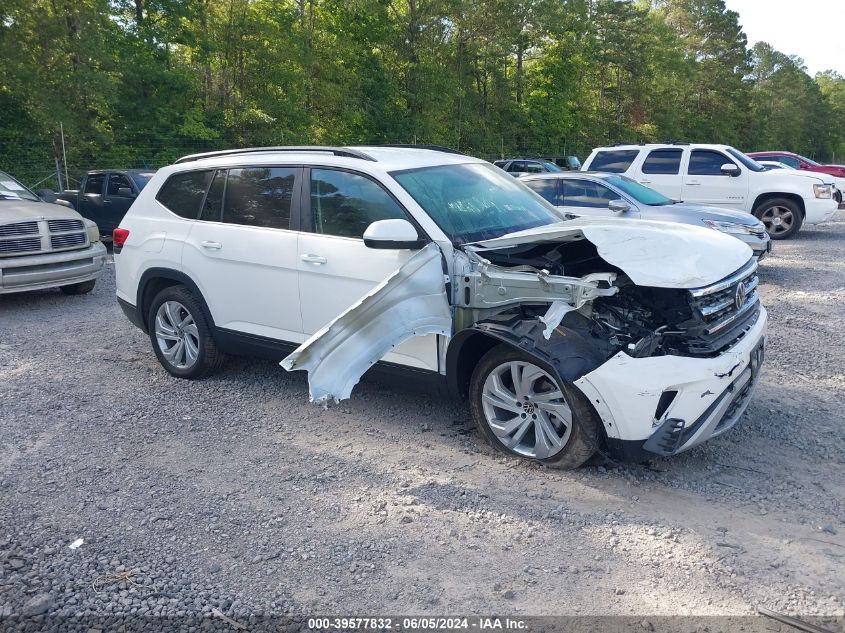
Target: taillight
(119, 237)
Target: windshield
(551, 166)
(807, 160)
(475, 201)
(142, 178)
(11, 188)
(749, 162)
(638, 192)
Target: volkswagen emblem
(741, 295)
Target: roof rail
(671, 141)
(433, 148)
(619, 143)
(337, 151)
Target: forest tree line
(140, 82)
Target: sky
(811, 29)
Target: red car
(796, 161)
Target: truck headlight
(93, 233)
(823, 191)
(728, 227)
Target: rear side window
(663, 161)
(345, 204)
(614, 161)
(183, 193)
(259, 196)
(546, 188)
(705, 162)
(94, 183)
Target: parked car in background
(796, 161)
(105, 196)
(593, 194)
(568, 163)
(45, 245)
(632, 337)
(773, 164)
(719, 175)
(520, 166)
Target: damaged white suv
(568, 337)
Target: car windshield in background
(475, 201)
(749, 162)
(808, 160)
(11, 188)
(640, 193)
(551, 166)
(142, 178)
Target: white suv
(723, 176)
(567, 337)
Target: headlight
(728, 227)
(93, 233)
(823, 191)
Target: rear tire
(82, 288)
(181, 336)
(535, 417)
(782, 217)
(838, 197)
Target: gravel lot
(234, 494)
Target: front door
(336, 269)
(704, 182)
(116, 202)
(242, 252)
(91, 199)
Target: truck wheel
(523, 411)
(781, 216)
(82, 288)
(181, 336)
(838, 197)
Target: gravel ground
(235, 495)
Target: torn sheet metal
(693, 256)
(411, 302)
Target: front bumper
(760, 246)
(818, 210)
(51, 270)
(705, 396)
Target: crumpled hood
(656, 254)
(23, 210)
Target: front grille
(68, 240)
(21, 245)
(61, 226)
(19, 228)
(723, 311)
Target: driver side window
(585, 193)
(345, 204)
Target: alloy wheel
(526, 410)
(777, 219)
(177, 335)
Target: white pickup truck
(721, 175)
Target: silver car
(593, 193)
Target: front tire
(523, 411)
(782, 217)
(82, 288)
(181, 336)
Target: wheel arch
(154, 280)
(794, 197)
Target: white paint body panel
(693, 256)
(625, 391)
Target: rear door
(704, 182)
(661, 170)
(242, 251)
(91, 199)
(120, 194)
(336, 269)
(589, 198)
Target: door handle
(212, 246)
(107, 201)
(693, 183)
(313, 259)
(645, 182)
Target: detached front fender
(567, 355)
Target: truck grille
(66, 241)
(61, 226)
(724, 311)
(23, 245)
(27, 238)
(19, 228)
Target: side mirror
(729, 169)
(392, 234)
(618, 206)
(125, 192)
